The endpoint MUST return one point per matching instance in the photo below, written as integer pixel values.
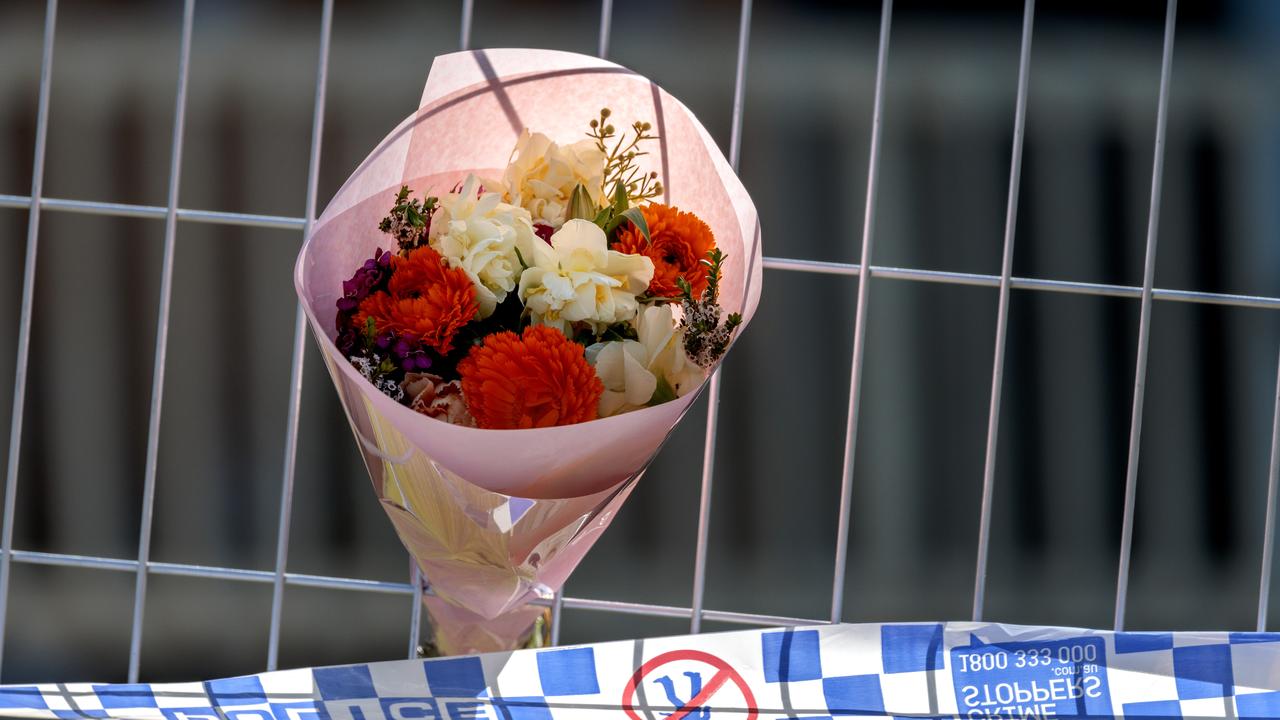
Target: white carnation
(542, 175)
(486, 238)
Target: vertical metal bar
(713, 389)
(1269, 533)
(415, 612)
(1144, 323)
(162, 341)
(860, 319)
(606, 24)
(704, 505)
(740, 86)
(28, 302)
(1002, 313)
(557, 609)
(464, 36)
(299, 347)
(606, 27)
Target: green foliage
(635, 217)
(620, 170)
(663, 393)
(620, 211)
(585, 334)
(712, 263)
(626, 184)
(370, 332)
(706, 338)
(409, 220)
(619, 331)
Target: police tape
(967, 670)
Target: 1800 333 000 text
(1031, 679)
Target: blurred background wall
(949, 113)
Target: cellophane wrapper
(498, 519)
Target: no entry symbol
(689, 679)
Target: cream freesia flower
(578, 278)
(634, 370)
(542, 174)
(481, 234)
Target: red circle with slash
(724, 674)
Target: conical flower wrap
(498, 519)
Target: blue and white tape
(966, 670)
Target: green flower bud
(580, 206)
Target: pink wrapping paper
(499, 518)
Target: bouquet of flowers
(487, 317)
(514, 342)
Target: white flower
(631, 369)
(577, 277)
(542, 175)
(481, 235)
(622, 366)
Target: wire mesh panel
(1003, 283)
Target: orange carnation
(538, 379)
(425, 299)
(679, 242)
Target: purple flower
(408, 352)
(348, 341)
(415, 361)
(369, 278)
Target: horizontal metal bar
(209, 572)
(812, 266)
(341, 583)
(155, 212)
(1021, 283)
(672, 611)
(630, 608)
(755, 619)
(82, 561)
(772, 263)
(394, 588)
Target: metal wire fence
(1004, 282)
